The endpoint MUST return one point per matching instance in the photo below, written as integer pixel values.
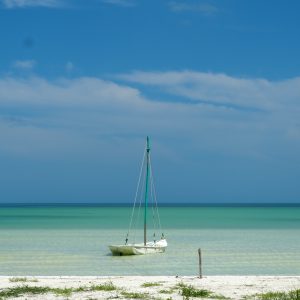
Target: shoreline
(150, 287)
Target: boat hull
(139, 249)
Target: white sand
(234, 287)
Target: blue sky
(214, 83)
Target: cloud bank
(210, 107)
(223, 90)
(196, 119)
(30, 3)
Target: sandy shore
(164, 287)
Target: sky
(215, 84)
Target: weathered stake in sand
(146, 287)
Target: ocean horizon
(164, 204)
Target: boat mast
(146, 190)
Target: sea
(73, 240)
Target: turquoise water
(73, 241)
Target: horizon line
(164, 204)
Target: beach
(149, 287)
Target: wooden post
(200, 263)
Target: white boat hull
(139, 249)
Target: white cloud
(83, 110)
(221, 89)
(74, 93)
(31, 3)
(203, 8)
(24, 64)
(99, 126)
(124, 3)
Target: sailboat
(144, 193)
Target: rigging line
(156, 206)
(141, 188)
(153, 215)
(152, 198)
(140, 205)
(136, 194)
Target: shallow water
(73, 241)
